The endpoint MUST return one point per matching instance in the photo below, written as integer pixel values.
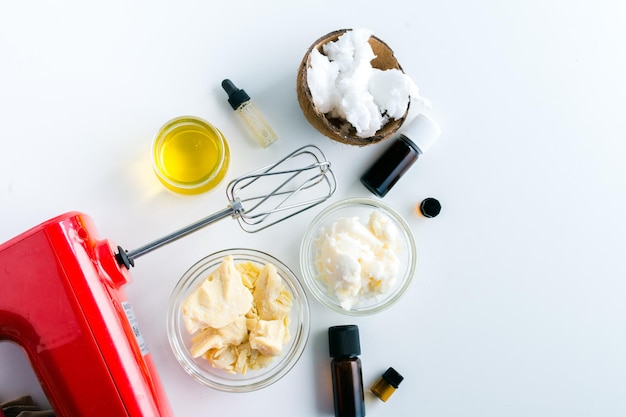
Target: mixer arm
(127, 258)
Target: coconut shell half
(339, 129)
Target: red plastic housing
(61, 300)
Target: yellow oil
(190, 156)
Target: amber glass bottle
(414, 140)
(387, 384)
(347, 378)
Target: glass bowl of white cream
(358, 256)
(209, 346)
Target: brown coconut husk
(339, 129)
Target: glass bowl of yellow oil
(189, 155)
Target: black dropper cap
(236, 96)
(392, 377)
(343, 341)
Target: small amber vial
(387, 384)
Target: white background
(517, 307)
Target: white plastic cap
(422, 131)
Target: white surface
(518, 306)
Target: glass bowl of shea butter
(358, 256)
(238, 320)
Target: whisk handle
(127, 258)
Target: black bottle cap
(236, 96)
(430, 207)
(392, 377)
(343, 341)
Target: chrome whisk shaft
(273, 192)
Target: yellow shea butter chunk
(209, 338)
(271, 299)
(249, 273)
(223, 358)
(219, 300)
(268, 337)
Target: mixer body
(62, 301)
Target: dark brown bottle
(414, 140)
(391, 166)
(347, 377)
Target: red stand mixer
(62, 298)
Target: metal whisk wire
(270, 203)
(280, 202)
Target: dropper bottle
(253, 119)
(346, 373)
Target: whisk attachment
(261, 198)
(269, 195)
